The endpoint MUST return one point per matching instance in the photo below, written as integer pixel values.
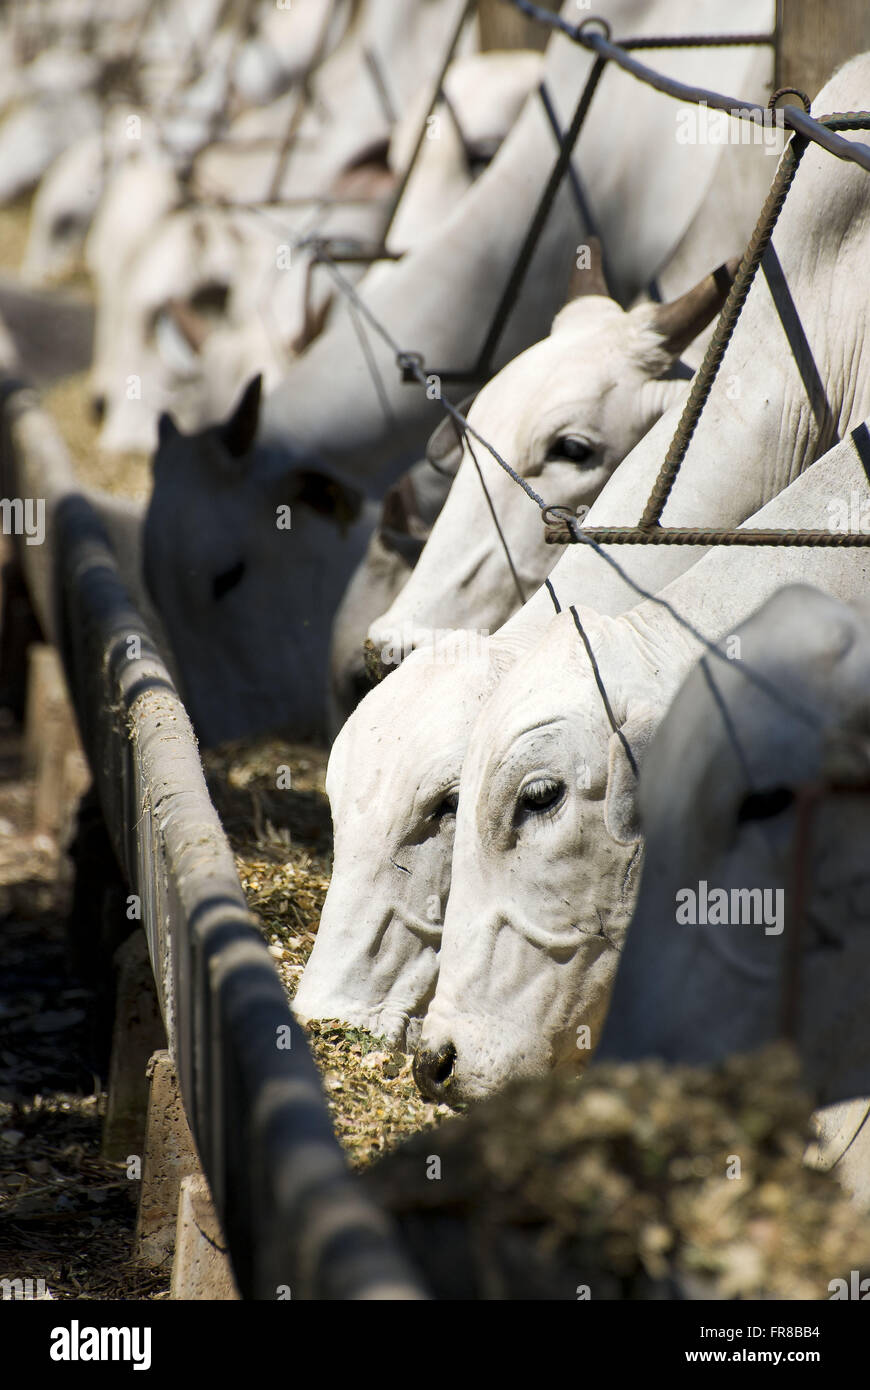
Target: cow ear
(313, 324)
(444, 450)
(238, 432)
(167, 431)
(621, 807)
(401, 529)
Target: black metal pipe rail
(618, 53)
(293, 1214)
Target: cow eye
(226, 581)
(65, 225)
(447, 806)
(568, 448)
(211, 299)
(541, 795)
(765, 805)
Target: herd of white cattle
(551, 827)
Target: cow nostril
(433, 1070)
(98, 408)
(444, 1060)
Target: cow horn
(193, 328)
(591, 279)
(682, 320)
(314, 319)
(444, 449)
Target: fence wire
(806, 130)
(413, 369)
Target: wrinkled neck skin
(759, 429)
(693, 790)
(729, 583)
(329, 407)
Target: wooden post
(501, 26)
(815, 38)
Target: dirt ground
(14, 221)
(66, 1215)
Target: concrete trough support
(169, 1157)
(201, 1268)
(177, 1223)
(137, 1033)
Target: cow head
(229, 526)
(407, 513)
(197, 274)
(392, 784)
(563, 414)
(546, 857)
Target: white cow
(720, 808)
(140, 193)
(271, 306)
(277, 54)
(58, 70)
(198, 257)
(611, 356)
(347, 109)
(821, 247)
(346, 408)
(62, 211)
(34, 134)
(285, 45)
(123, 151)
(173, 49)
(548, 842)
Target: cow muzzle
(433, 1071)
